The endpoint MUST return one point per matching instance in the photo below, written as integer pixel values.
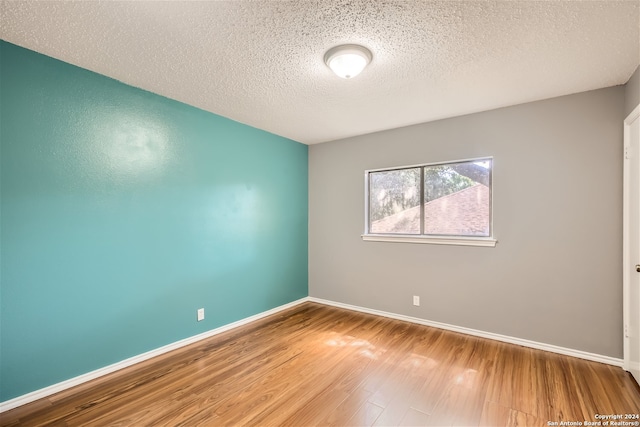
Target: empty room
(320, 212)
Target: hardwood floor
(317, 365)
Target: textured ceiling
(261, 62)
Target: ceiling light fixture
(347, 60)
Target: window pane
(458, 199)
(394, 201)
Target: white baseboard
(56, 388)
(482, 334)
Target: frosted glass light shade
(347, 60)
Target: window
(445, 203)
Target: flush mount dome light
(347, 60)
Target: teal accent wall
(123, 212)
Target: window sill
(430, 240)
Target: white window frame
(489, 241)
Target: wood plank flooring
(314, 365)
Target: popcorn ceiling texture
(261, 62)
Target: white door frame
(626, 263)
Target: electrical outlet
(416, 300)
(200, 314)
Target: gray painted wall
(555, 275)
(632, 93)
